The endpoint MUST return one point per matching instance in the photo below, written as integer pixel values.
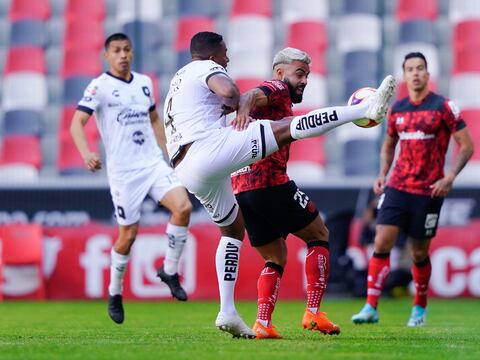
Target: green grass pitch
(174, 330)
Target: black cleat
(173, 283)
(115, 308)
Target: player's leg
(168, 191)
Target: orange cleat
(263, 332)
(320, 322)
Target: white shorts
(129, 191)
(205, 170)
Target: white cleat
(378, 102)
(234, 325)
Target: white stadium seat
(249, 33)
(461, 10)
(315, 94)
(148, 10)
(252, 63)
(350, 39)
(294, 10)
(464, 89)
(25, 91)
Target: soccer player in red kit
(273, 206)
(411, 200)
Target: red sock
(378, 270)
(267, 286)
(421, 276)
(317, 267)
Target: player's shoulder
(141, 77)
(275, 85)
(207, 66)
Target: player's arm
(159, 131)
(443, 186)
(252, 98)
(387, 154)
(225, 88)
(77, 130)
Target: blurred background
(58, 216)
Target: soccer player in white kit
(204, 151)
(134, 141)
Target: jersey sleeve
(148, 91)
(275, 91)
(391, 125)
(211, 68)
(452, 116)
(91, 98)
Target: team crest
(146, 91)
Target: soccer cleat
(418, 317)
(234, 325)
(173, 283)
(115, 308)
(378, 102)
(368, 315)
(263, 332)
(320, 322)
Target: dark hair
(115, 37)
(204, 44)
(414, 55)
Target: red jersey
(424, 131)
(272, 170)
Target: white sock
(177, 237)
(320, 121)
(117, 271)
(227, 260)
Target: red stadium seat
(30, 59)
(467, 60)
(245, 84)
(92, 9)
(69, 159)
(251, 7)
(83, 33)
(188, 26)
(66, 120)
(78, 62)
(22, 245)
(414, 9)
(466, 35)
(28, 9)
(310, 150)
(402, 90)
(21, 149)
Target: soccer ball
(356, 98)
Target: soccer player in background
(134, 141)
(204, 151)
(273, 206)
(411, 200)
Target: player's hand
(241, 122)
(441, 187)
(92, 162)
(379, 185)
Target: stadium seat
(315, 94)
(78, 62)
(466, 35)
(69, 161)
(143, 10)
(92, 9)
(188, 26)
(28, 33)
(462, 10)
(370, 38)
(22, 246)
(464, 89)
(360, 157)
(183, 58)
(466, 60)
(362, 7)
(308, 150)
(25, 91)
(294, 10)
(353, 82)
(430, 51)
(73, 89)
(240, 65)
(21, 149)
(25, 59)
(29, 10)
(145, 35)
(251, 7)
(250, 34)
(198, 8)
(83, 33)
(414, 9)
(23, 122)
(419, 30)
(245, 84)
(361, 62)
(310, 36)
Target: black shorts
(275, 212)
(416, 215)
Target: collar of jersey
(119, 78)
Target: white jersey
(191, 108)
(122, 114)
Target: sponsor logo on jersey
(255, 149)
(231, 262)
(146, 91)
(87, 98)
(130, 117)
(316, 120)
(217, 68)
(92, 90)
(115, 93)
(416, 135)
(241, 171)
(114, 104)
(138, 137)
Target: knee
(183, 210)
(419, 255)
